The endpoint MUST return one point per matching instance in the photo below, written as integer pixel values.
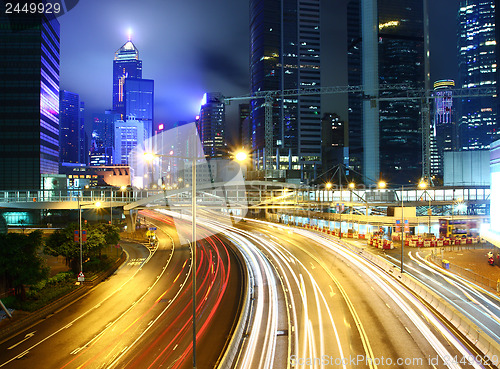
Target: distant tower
(477, 68)
(444, 133)
(125, 65)
(386, 46)
(128, 134)
(139, 101)
(211, 126)
(332, 141)
(69, 127)
(285, 54)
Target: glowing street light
(80, 206)
(382, 184)
(241, 156)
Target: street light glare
(352, 185)
(382, 184)
(98, 204)
(241, 156)
(149, 156)
(328, 185)
(422, 184)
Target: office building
(477, 68)
(332, 142)
(139, 101)
(29, 100)
(211, 125)
(245, 140)
(69, 127)
(385, 137)
(126, 64)
(103, 138)
(285, 54)
(444, 132)
(84, 137)
(128, 134)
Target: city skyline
(212, 55)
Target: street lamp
(423, 185)
(80, 206)
(239, 156)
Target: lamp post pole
(80, 233)
(193, 205)
(402, 229)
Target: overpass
(260, 197)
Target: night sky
(191, 47)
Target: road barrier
(235, 344)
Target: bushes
(43, 292)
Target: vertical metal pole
(193, 243)
(111, 206)
(80, 232)
(402, 229)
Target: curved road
(141, 316)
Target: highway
(141, 316)
(340, 310)
(481, 306)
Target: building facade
(128, 134)
(139, 101)
(477, 68)
(444, 132)
(332, 141)
(29, 100)
(69, 127)
(285, 54)
(385, 136)
(126, 64)
(211, 125)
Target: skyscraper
(285, 54)
(477, 68)
(69, 127)
(128, 134)
(444, 133)
(29, 100)
(125, 65)
(139, 101)
(385, 137)
(211, 125)
(103, 138)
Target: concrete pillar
(131, 219)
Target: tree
(20, 262)
(61, 242)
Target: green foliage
(39, 296)
(61, 242)
(20, 262)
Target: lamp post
(80, 206)
(240, 156)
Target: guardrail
(489, 347)
(236, 342)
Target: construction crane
(397, 92)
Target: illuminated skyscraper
(29, 100)
(385, 137)
(211, 125)
(444, 133)
(285, 54)
(477, 68)
(139, 101)
(69, 127)
(125, 65)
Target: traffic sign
(81, 277)
(152, 228)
